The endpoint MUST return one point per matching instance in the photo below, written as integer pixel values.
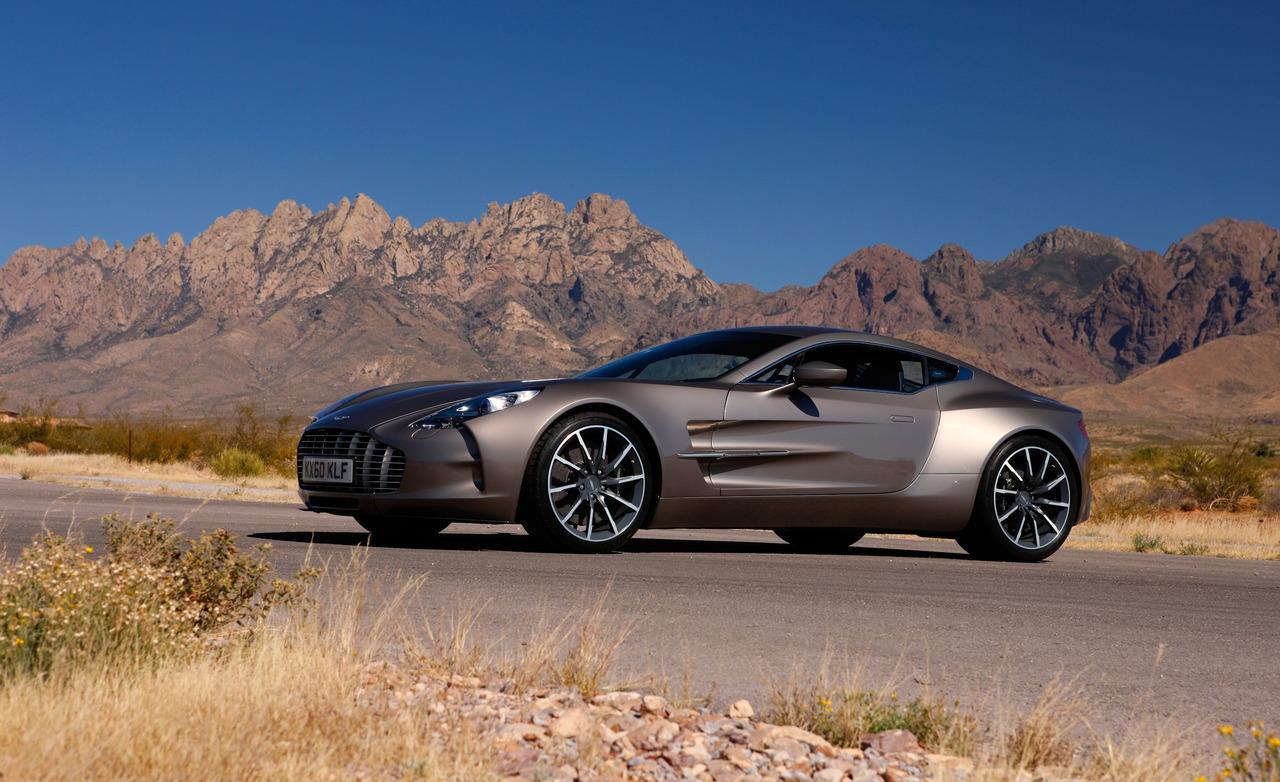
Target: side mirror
(818, 373)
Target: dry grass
(179, 479)
(842, 707)
(291, 702)
(1204, 533)
(577, 650)
(285, 708)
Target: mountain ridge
(297, 305)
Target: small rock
(464, 681)
(831, 774)
(622, 701)
(520, 731)
(949, 762)
(889, 742)
(802, 735)
(741, 710)
(573, 723)
(654, 704)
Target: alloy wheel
(596, 483)
(1032, 498)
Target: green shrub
(1227, 476)
(7, 449)
(154, 595)
(1145, 542)
(842, 715)
(1147, 455)
(236, 463)
(1188, 549)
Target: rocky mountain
(296, 307)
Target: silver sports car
(818, 434)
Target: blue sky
(768, 140)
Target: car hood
(378, 405)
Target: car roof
(805, 336)
(786, 330)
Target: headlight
(453, 417)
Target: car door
(871, 434)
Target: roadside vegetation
(245, 443)
(162, 656)
(1217, 497)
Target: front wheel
(590, 483)
(1027, 502)
(385, 530)
(819, 539)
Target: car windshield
(692, 359)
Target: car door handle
(903, 419)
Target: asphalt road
(1193, 639)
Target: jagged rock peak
(1065, 238)
(956, 265)
(533, 209)
(603, 210)
(951, 256)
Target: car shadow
(517, 542)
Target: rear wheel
(819, 539)
(590, 484)
(387, 530)
(1027, 502)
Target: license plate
(318, 470)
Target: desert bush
(1045, 735)
(1147, 455)
(163, 438)
(33, 423)
(237, 463)
(153, 596)
(1228, 475)
(1145, 542)
(7, 449)
(1254, 757)
(1125, 496)
(842, 713)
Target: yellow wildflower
(1273, 742)
(1226, 730)
(88, 549)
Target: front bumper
(444, 478)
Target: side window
(778, 373)
(874, 368)
(941, 371)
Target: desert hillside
(295, 307)
(1236, 376)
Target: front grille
(376, 467)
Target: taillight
(1083, 431)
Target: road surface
(1191, 639)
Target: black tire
(820, 539)
(986, 538)
(405, 531)
(542, 518)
